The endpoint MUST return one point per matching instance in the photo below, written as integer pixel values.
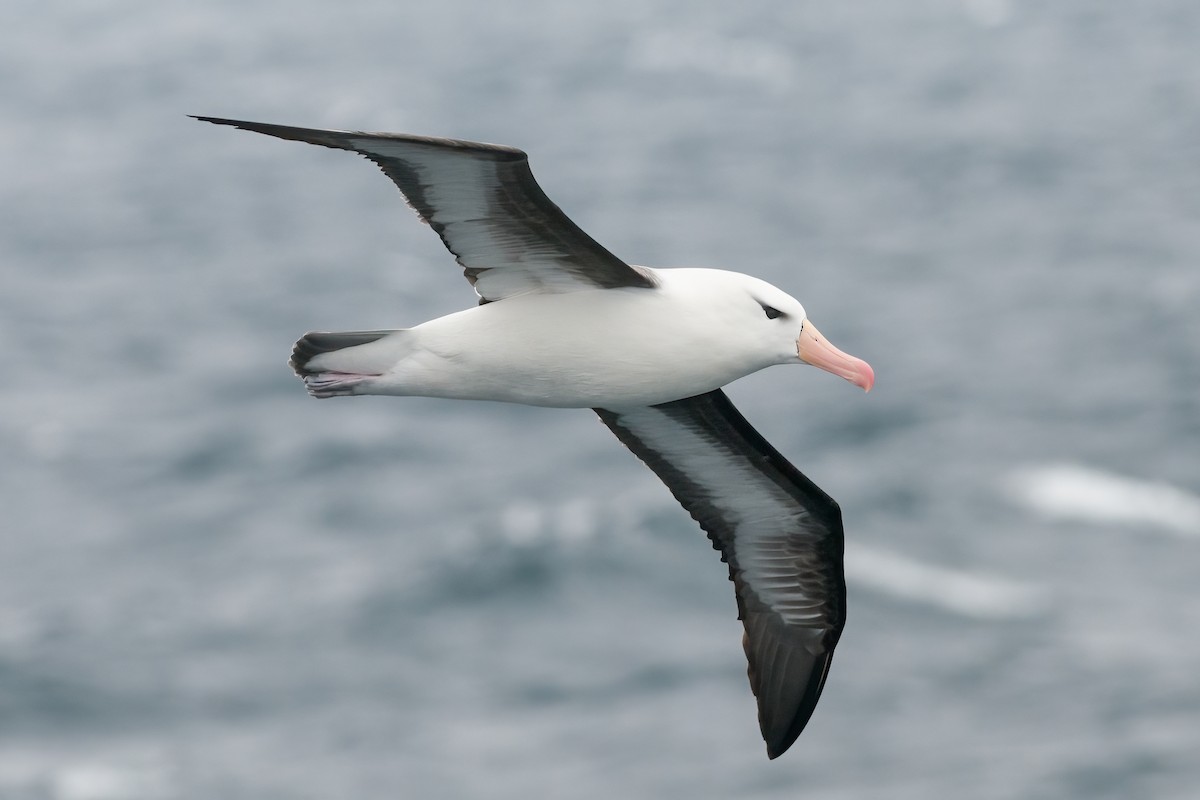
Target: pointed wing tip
(777, 749)
(358, 141)
(247, 125)
(338, 140)
(787, 698)
(215, 120)
(778, 745)
(779, 742)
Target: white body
(605, 348)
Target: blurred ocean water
(213, 586)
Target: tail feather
(317, 343)
(333, 384)
(345, 363)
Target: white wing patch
(457, 189)
(767, 527)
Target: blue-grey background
(213, 586)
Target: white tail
(333, 364)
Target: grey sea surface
(212, 586)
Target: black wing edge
(336, 138)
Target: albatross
(563, 322)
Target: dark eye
(771, 311)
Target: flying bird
(563, 322)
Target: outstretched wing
(483, 201)
(779, 533)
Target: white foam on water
(963, 592)
(138, 774)
(95, 781)
(1071, 491)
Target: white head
(783, 321)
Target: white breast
(610, 348)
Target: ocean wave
(963, 592)
(1075, 492)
